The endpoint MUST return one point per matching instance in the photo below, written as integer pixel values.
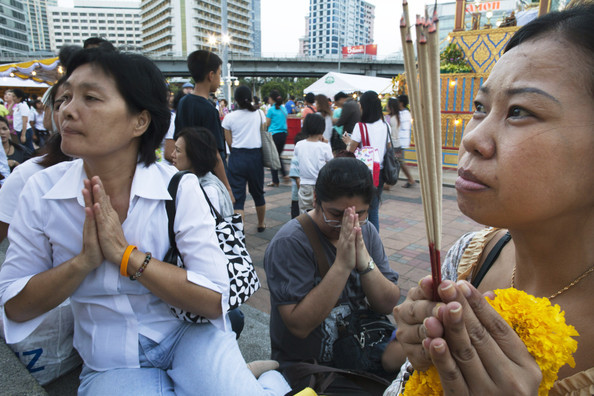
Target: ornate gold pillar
(460, 11)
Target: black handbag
(362, 338)
(243, 279)
(391, 168)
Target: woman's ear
(143, 120)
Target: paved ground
(402, 230)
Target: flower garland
(538, 323)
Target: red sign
(494, 5)
(369, 49)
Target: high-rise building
(177, 28)
(333, 24)
(14, 38)
(38, 27)
(116, 21)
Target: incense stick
(425, 104)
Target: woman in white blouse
(86, 234)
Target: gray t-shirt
(292, 273)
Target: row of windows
(13, 3)
(13, 45)
(129, 28)
(101, 14)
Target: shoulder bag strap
(309, 229)
(214, 212)
(170, 204)
(491, 257)
(389, 137)
(363, 131)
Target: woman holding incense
(95, 230)
(518, 171)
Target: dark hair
(278, 99)
(19, 93)
(98, 42)
(344, 153)
(371, 107)
(323, 105)
(53, 151)
(177, 98)
(340, 95)
(142, 87)
(310, 97)
(66, 53)
(403, 99)
(299, 137)
(292, 97)
(4, 120)
(201, 149)
(574, 25)
(202, 62)
(344, 177)
(393, 108)
(243, 96)
(256, 100)
(313, 124)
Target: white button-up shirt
(110, 310)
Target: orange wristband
(125, 258)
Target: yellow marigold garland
(538, 323)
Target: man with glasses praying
(304, 305)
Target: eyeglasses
(338, 223)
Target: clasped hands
(351, 251)
(474, 350)
(103, 236)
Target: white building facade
(179, 27)
(116, 21)
(333, 24)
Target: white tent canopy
(332, 83)
(19, 82)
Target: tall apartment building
(14, 38)
(38, 26)
(116, 21)
(178, 27)
(332, 24)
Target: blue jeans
(245, 166)
(375, 204)
(196, 359)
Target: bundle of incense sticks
(424, 95)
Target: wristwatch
(370, 267)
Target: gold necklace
(562, 290)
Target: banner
(369, 49)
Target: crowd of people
(83, 204)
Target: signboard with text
(369, 49)
(483, 7)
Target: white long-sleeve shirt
(110, 310)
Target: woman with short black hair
(196, 151)
(95, 230)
